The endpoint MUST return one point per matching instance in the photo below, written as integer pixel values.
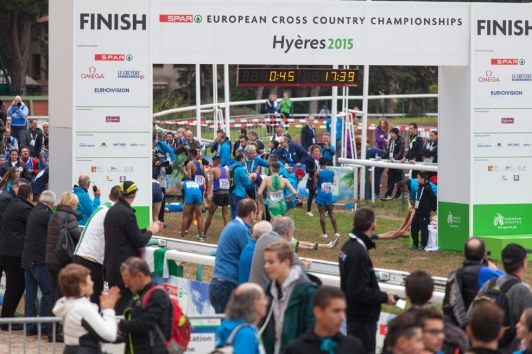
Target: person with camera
(18, 113)
(327, 150)
(86, 206)
(162, 166)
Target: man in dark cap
(518, 294)
(123, 239)
(395, 152)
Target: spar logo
(503, 222)
(92, 74)
(180, 18)
(508, 61)
(453, 221)
(488, 77)
(113, 57)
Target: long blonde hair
(386, 125)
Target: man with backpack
(154, 324)
(464, 283)
(509, 293)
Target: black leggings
(311, 195)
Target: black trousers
(96, 276)
(125, 299)
(366, 332)
(420, 222)
(394, 176)
(55, 289)
(163, 205)
(311, 195)
(15, 284)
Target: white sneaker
(333, 244)
(309, 213)
(324, 236)
(337, 235)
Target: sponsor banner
(113, 96)
(317, 33)
(453, 222)
(502, 219)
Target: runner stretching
(220, 193)
(193, 200)
(276, 186)
(323, 182)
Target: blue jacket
(241, 180)
(414, 186)
(246, 340)
(328, 154)
(18, 115)
(485, 274)
(165, 149)
(244, 264)
(86, 206)
(295, 154)
(339, 129)
(251, 166)
(234, 237)
(225, 153)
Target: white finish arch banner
(306, 33)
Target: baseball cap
(514, 253)
(395, 131)
(128, 189)
(300, 173)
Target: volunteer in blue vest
(91, 246)
(241, 182)
(19, 124)
(219, 191)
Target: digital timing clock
(297, 77)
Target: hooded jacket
(56, 221)
(13, 229)
(292, 312)
(310, 343)
(83, 325)
(245, 341)
(36, 234)
(358, 281)
(240, 179)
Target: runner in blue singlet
(323, 183)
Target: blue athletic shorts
(191, 198)
(323, 202)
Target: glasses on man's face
(130, 278)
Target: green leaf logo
(198, 18)
(129, 57)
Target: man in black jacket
(426, 203)
(12, 234)
(415, 147)
(308, 133)
(358, 281)
(141, 321)
(329, 310)
(395, 152)
(33, 260)
(123, 239)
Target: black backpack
(497, 296)
(453, 301)
(231, 181)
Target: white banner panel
(306, 33)
(113, 96)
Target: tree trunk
(393, 89)
(411, 101)
(19, 38)
(314, 91)
(258, 95)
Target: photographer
(327, 150)
(477, 269)
(19, 114)
(163, 155)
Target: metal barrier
(55, 321)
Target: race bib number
(224, 183)
(276, 196)
(326, 187)
(199, 180)
(191, 184)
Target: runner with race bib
(193, 199)
(220, 193)
(323, 184)
(276, 185)
(196, 172)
